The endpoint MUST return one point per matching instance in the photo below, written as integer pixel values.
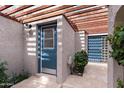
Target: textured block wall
(11, 44)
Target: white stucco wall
(114, 70)
(80, 41)
(11, 44)
(68, 46)
(30, 62)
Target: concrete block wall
(11, 44)
(30, 59)
(68, 46)
(80, 41)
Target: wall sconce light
(29, 29)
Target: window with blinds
(97, 49)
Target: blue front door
(48, 49)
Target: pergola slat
(1, 14)
(91, 28)
(90, 19)
(84, 11)
(48, 11)
(80, 17)
(95, 30)
(56, 13)
(18, 9)
(90, 16)
(5, 7)
(92, 24)
(33, 10)
(88, 13)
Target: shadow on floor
(95, 76)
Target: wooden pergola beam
(95, 30)
(1, 14)
(91, 28)
(5, 7)
(64, 9)
(94, 8)
(92, 21)
(18, 9)
(81, 17)
(88, 25)
(47, 11)
(56, 13)
(90, 16)
(33, 10)
(88, 13)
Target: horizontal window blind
(97, 49)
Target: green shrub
(3, 74)
(18, 78)
(117, 44)
(7, 81)
(80, 61)
(120, 84)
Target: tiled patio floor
(39, 81)
(95, 76)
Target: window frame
(53, 30)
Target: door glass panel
(48, 33)
(48, 43)
(48, 37)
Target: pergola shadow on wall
(90, 18)
(82, 19)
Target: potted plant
(117, 44)
(80, 61)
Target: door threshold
(49, 71)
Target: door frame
(39, 28)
